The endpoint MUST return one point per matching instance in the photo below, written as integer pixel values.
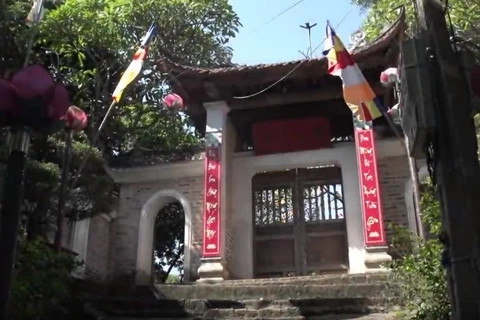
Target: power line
(275, 17)
(295, 68)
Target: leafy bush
(41, 281)
(420, 273)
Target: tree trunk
(170, 268)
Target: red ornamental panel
(369, 188)
(290, 135)
(211, 211)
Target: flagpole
(151, 32)
(94, 141)
(36, 20)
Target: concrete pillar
(218, 151)
(373, 224)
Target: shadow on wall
(195, 260)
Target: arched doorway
(168, 200)
(168, 244)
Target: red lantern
(173, 101)
(76, 119)
(475, 81)
(33, 99)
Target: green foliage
(465, 15)
(87, 44)
(169, 241)
(401, 244)
(41, 281)
(94, 41)
(420, 273)
(173, 278)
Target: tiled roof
(381, 42)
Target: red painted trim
(211, 245)
(368, 212)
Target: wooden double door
(299, 223)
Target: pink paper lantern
(173, 101)
(32, 99)
(76, 119)
(389, 77)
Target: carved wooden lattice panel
(299, 222)
(323, 202)
(273, 205)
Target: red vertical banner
(211, 211)
(369, 188)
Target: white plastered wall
(246, 165)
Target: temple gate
(299, 220)
(276, 191)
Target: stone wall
(98, 252)
(132, 199)
(393, 173)
(113, 244)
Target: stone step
(378, 316)
(373, 316)
(283, 318)
(224, 309)
(201, 304)
(319, 280)
(279, 291)
(364, 297)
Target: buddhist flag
(136, 65)
(357, 93)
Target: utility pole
(457, 167)
(309, 27)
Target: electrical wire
(79, 172)
(295, 68)
(275, 17)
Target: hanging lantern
(389, 77)
(33, 99)
(173, 101)
(76, 119)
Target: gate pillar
(373, 224)
(216, 227)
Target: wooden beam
(280, 99)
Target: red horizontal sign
(282, 136)
(211, 211)
(369, 188)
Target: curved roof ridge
(393, 30)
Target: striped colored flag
(136, 65)
(357, 93)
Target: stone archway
(146, 230)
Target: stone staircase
(365, 297)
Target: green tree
(465, 16)
(419, 272)
(87, 44)
(97, 44)
(169, 242)
(42, 281)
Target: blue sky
(281, 39)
